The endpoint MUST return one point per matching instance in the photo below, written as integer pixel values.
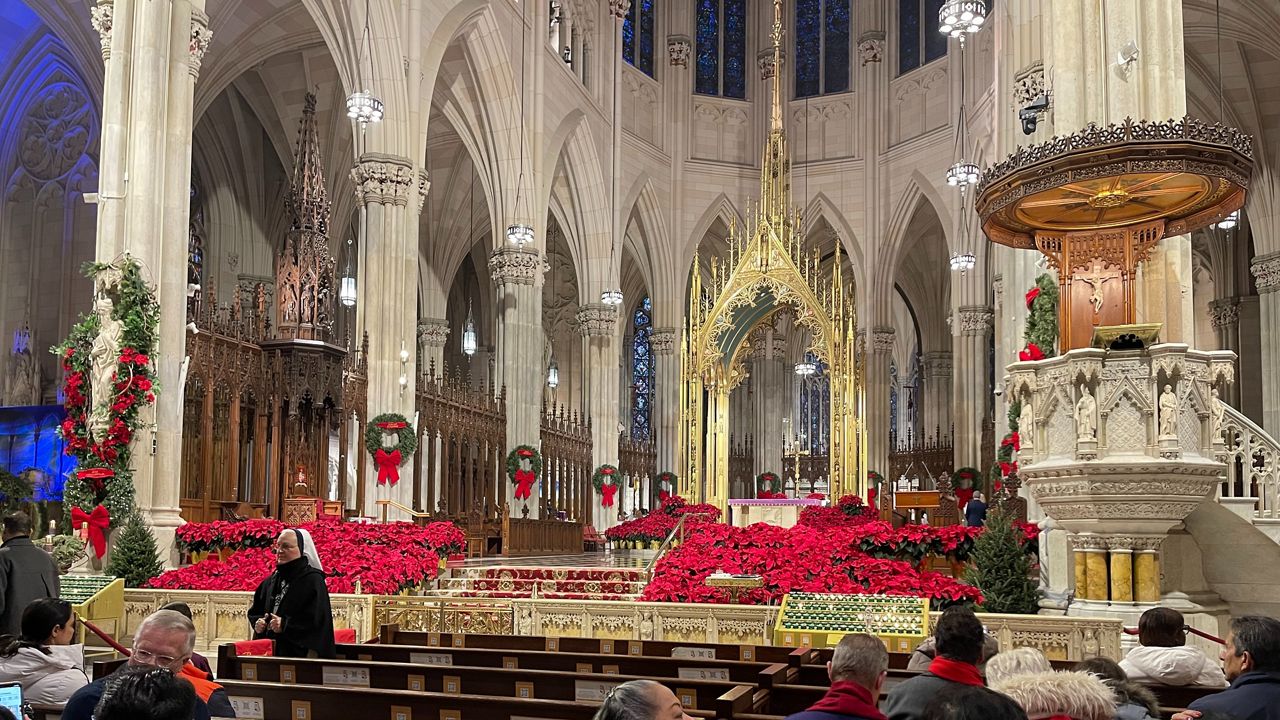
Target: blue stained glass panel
(644, 59)
(735, 48)
(629, 35)
(836, 47)
(908, 35)
(642, 370)
(808, 47)
(935, 43)
(708, 42)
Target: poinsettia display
(384, 558)
(656, 525)
(792, 559)
(228, 535)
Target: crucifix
(1096, 276)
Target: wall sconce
(404, 368)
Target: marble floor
(619, 559)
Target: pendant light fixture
(1232, 219)
(520, 233)
(363, 106)
(962, 174)
(469, 341)
(613, 296)
(958, 18)
(347, 283)
(553, 375)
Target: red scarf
(956, 671)
(848, 698)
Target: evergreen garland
(1042, 315)
(1002, 569)
(134, 555)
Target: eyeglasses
(146, 657)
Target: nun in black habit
(291, 606)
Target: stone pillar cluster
(937, 393)
(517, 279)
(971, 332)
(879, 352)
(665, 342)
(433, 333)
(598, 324)
(1266, 276)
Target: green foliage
(1002, 569)
(67, 550)
(1042, 316)
(15, 492)
(1015, 412)
(134, 555)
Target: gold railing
(667, 542)
(402, 508)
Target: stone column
(666, 412)
(1225, 316)
(433, 333)
(598, 324)
(1146, 568)
(1266, 276)
(937, 389)
(1121, 567)
(1095, 559)
(152, 54)
(879, 352)
(517, 280)
(969, 387)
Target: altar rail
(1253, 464)
(221, 617)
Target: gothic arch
(821, 208)
(585, 205)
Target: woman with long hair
(42, 658)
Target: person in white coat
(1163, 656)
(42, 658)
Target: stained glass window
(642, 370)
(919, 41)
(822, 47)
(637, 36)
(722, 48)
(815, 408)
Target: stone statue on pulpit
(1168, 412)
(1086, 415)
(1217, 412)
(104, 355)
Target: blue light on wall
(29, 439)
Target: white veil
(308, 547)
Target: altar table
(783, 512)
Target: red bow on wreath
(663, 495)
(524, 483)
(388, 466)
(1032, 294)
(98, 521)
(393, 425)
(607, 492)
(95, 477)
(1033, 352)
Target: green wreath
(597, 478)
(391, 422)
(670, 477)
(972, 474)
(774, 483)
(523, 452)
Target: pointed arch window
(814, 393)
(637, 36)
(722, 48)
(642, 371)
(919, 42)
(822, 47)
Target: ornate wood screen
(638, 463)
(566, 468)
(458, 471)
(920, 457)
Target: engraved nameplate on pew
(348, 676)
(693, 653)
(300, 710)
(400, 712)
(431, 658)
(704, 673)
(249, 708)
(591, 690)
(524, 690)
(417, 683)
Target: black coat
(27, 573)
(1252, 696)
(296, 592)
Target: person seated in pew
(959, 640)
(164, 640)
(857, 669)
(967, 702)
(1133, 701)
(1251, 658)
(1064, 695)
(926, 651)
(148, 694)
(197, 659)
(42, 659)
(641, 700)
(1018, 661)
(1163, 656)
(291, 606)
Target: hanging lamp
(347, 283)
(363, 106)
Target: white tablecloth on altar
(783, 513)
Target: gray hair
(1018, 661)
(168, 621)
(860, 658)
(629, 701)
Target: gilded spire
(775, 176)
(775, 116)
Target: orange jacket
(199, 679)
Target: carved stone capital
(433, 332)
(510, 266)
(882, 339)
(424, 187)
(1224, 312)
(201, 36)
(779, 347)
(765, 61)
(1266, 273)
(1027, 84)
(1087, 543)
(597, 320)
(937, 364)
(663, 341)
(619, 8)
(871, 47)
(679, 48)
(383, 179)
(976, 320)
(100, 17)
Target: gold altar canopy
(766, 268)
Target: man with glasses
(164, 640)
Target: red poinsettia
(1033, 352)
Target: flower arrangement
(523, 477)
(383, 558)
(656, 525)
(386, 458)
(104, 461)
(791, 559)
(227, 535)
(667, 479)
(769, 486)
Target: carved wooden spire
(308, 202)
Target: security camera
(1031, 112)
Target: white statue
(1026, 422)
(1217, 410)
(1086, 415)
(24, 380)
(1168, 412)
(104, 356)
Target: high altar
(766, 269)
